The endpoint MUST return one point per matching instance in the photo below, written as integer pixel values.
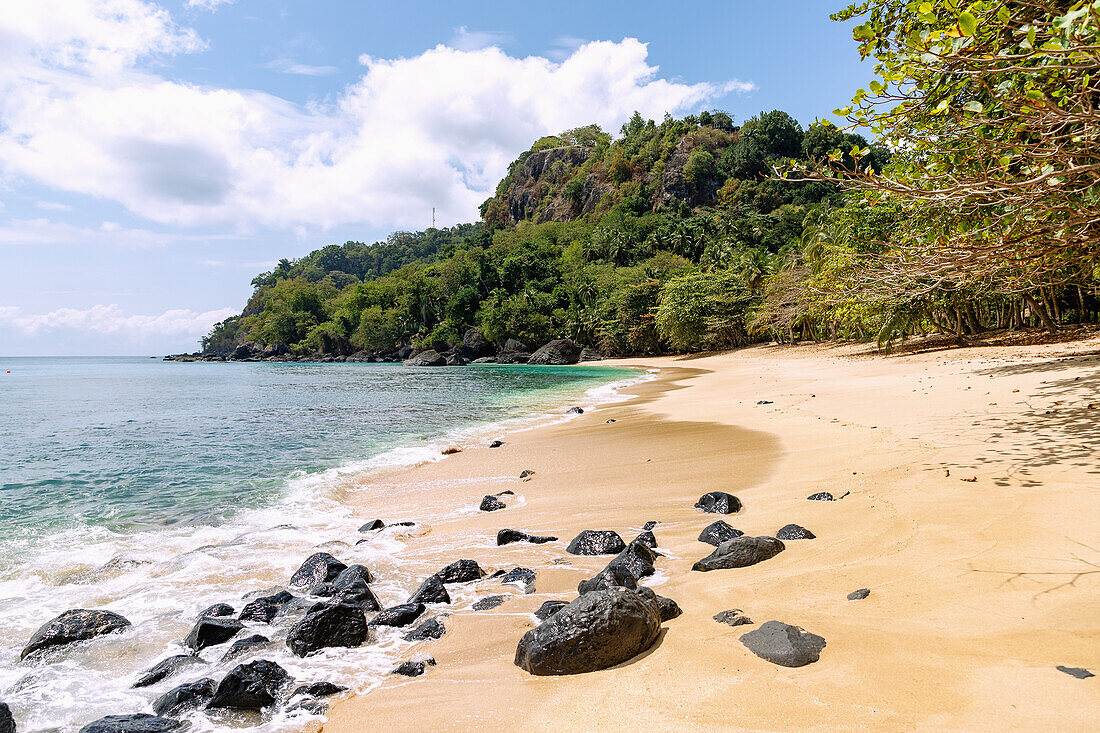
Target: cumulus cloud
(288, 66)
(465, 39)
(112, 320)
(207, 4)
(81, 112)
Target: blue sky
(155, 156)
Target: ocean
(156, 489)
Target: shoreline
(944, 641)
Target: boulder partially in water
(461, 571)
(166, 668)
(245, 645)
(211, 632)
(339, 625)
(549, 608)
(427, 358)
(188, 696)
(136, 723)
(596, 631)
(596, 542)
(265, 608)
(430, 591)
(401, 615)
(490, 503)
(251, 686)
(319, 567)
(79, 624)
(433, 628)
(508, 536)
(217, 610)
(7, 722)
(558, 351)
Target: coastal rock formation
(1079, 672)
(340, 625)
(740, 552)
(166, 668)
(79, 624)
(596, 542)
(319, 567)
(217, 610)
(430, 591)
(588, 354)
(401, 615)
(409, 669)
(646, 538)
(242, 646)
(669, 608)
(637, 559)
(490, 503)
(733, 617)
(488, 602)
(514, 352)
(251, 686)
(475, 346)
(596, 631)
(520, 576)
(549, 608)
(211, 632)
(318, 689)
(372, 525)
(783, 644)
(265, 608)
(433, 628)
(558, 351)
(718, 502)
(496, 444)
(427, 358)
(718, 532)
(859, 595)
(612, 576)
(821, 496)
(526, 473)
(352, 575)
(138, 723)
(461, 571)
(7, 722)
(188, 696)
(794, 532)
(508, 536)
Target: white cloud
(287, 66)
(42, 231)
(465, 39)
(434, 130)
(207, 4)
(112, 320)
(52, 206)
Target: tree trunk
(1041, 312)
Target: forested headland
(961, 198)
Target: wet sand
(978, 588)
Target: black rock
(217, 610)
(475, 345)
(409, 669)
(740, 552)
(637, 559)
(596, 631)
(265, 608)
(783, 644)
(718, 532)
(491, 504)
(576, 411)
(612, 576)
(211, 632)
(402, 615)
(166, 668)
(241, 646)
(821, 496)
(430, 591)
(319, 567)
(526, 473)
(351, 575)
(794, 532)
(7, 722)
(357, 594)
(313, 707)
(596, 542)
(763, 402)
(508, 536)
(506, 492)
(318, 689)
(76, 625)
(670, 609)
(548, 609)
(1079, 672)
(189, 696)
(524, 576)
(496, 444)
(433, 628)
(558, 351)
(339, 625)
(733, 617)
(859, 595)
(718, 502)
(251, 686)
(488, 602)
(646, 538)
(372, 525)
(137, 723)
(650, 525)
(461, 571)
(403, 524)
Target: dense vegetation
(681, 235)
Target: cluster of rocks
(474, 348)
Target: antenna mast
(433, 217)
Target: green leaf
(974, 106)
(968, 24)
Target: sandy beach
(973, 517)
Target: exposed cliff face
(542, 174)
(673, 187)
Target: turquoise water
(155, 489)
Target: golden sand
(979, 588)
